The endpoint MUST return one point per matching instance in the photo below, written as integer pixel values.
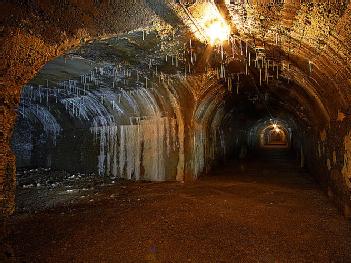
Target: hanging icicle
(310, 66)
(222, 53)
(246, 49)
(276, 38)
(278, 71)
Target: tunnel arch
(44, 36)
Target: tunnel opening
(274, 137)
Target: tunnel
(175, 131)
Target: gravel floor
(265, 210)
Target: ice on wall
(137, 151)
(135, 138)
(35, 112)
(199, 150)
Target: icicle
(260, 77)
(277, 71)
(267, 74)
(246, 48)
(143, 35)
(249, 59)
(310, 66)
(276, 38)
(222, 53)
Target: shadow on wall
(163, 10)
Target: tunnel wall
(145, 133)
(328, 158)
(45, 30)
(32, 38)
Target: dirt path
(264, 211)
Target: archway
(309, 71)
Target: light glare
(214, 26)
(217, 31)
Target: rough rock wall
(314, 52)
(328, 158)
(311, 43)
(43, 31)
(136, 134)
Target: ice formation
(134, 136)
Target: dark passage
(266, 209)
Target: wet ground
(264, 210)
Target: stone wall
(43, 31)
(312, 40)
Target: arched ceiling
(308, 42)
(289, 61)
(303, 41)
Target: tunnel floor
(266, 209)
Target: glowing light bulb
(215, 28)
(217, 31)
